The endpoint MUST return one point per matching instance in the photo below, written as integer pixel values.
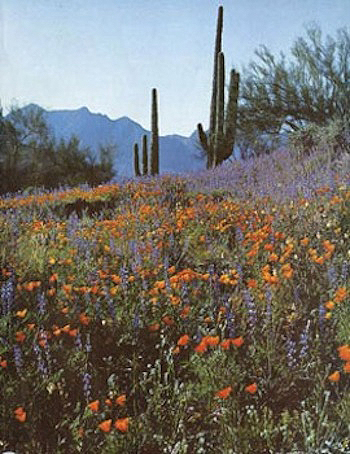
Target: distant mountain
(177, 154)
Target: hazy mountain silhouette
(177, 154)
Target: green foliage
(280, 96)
(29, 156)
(333, 138)
(219, 143)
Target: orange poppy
(185, 311)
(94, 406)
(340, 294)
(344, 352)
(238, 341)
(42, 342)
(346, 367)
(66, 328)
(212, 341)
(252, 283)
(51, 292)
(304, 241)
(183, 340)
(224, 393)
(53, 277)
(20, 414)
(3, 363)
(335, 377)
(108, 402)
(121, 400)
(251, 389)
(21, 314)
(154, 327)
(329, 305)
(225, 344)
(122, 424)
(201, 347)
(56, 331)
(84, 319)
(106, 425)
(20, 336)
(168, 320)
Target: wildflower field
(201, 314)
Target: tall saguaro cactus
(154, 135)
(219, 142)
(154, 152)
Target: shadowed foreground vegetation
(165, 315)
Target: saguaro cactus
(219, 143)
(136, 160)
(144, 155)
(154, 135)
(154, 153)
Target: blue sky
(109, 54)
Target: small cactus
(136, 161)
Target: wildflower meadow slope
(200, 314)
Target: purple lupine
(77, 341)
(18, 358)
(321, 315)
(332, 276)
(41, 303)
(250, 305)
(124, 274)
(7, 296)
(41, 363)
(87, 385)
(344, 271)
(304, 340)
(291, 351)
(88, 347)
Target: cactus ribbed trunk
(144, 155)
(136, 160)
(220, 109)
(154, 135)
(219, 142)
(213, 104)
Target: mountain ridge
(178, 154)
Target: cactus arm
(231, 115)
(202, 137)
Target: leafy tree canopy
(312, 87)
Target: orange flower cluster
(230, 279)
(344, 354)
(213, 341)
(269, 277)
